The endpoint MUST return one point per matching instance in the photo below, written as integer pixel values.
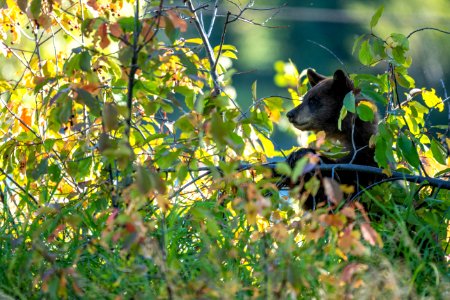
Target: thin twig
(447, 131)
(427, 28)
(19, 186)
(209, 49)
(213, 18)
(222, 40)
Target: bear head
(322, 104)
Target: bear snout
(291, 115)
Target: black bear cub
(319, 111)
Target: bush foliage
(129, 170)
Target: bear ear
(341, 80)
(313, 77)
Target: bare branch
(427, 28)
(18, 186)
(439, 183)
(209, 49)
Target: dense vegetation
(129, 170)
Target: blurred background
(302, 31)
(304, 28)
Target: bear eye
(314, 103)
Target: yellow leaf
(341, 254)
(195, 41)
(163, 202)
(347, 189)
(230, 54)
(431, 100)
(388, 172)
(267, 144)
(250, 209)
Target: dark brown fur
(319, 111)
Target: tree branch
(209, 49)
(19, 186)
(439, 183)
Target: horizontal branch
(439, 183)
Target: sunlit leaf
(35, 8)
(86, 98)
(349, 102)
(439, 152)
(408, 150)
(365, 55)
(432, 100)
(342, 115)
(366, 111)
(376, 16)
(85, 61)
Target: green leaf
(342, 115)
(143, 180)
(374, 96)
(254, 85)
(72, 64)
(398, 54)
(113, 68)
(365, 113)
(376, 16)
(299, 167)
(66, 109)
(85, 61)
(110, 113)
(409, 152)
(23, 4)
(379, 48)
(127, 24)
(283, 168)
(439, 152)
(365, 55)
(191, 68)
(84, 97)
(405, 80)
(380, 153)
(40, 170)
(35, 8)
(356, 43)
(349, 102)
(170, 30)
(184, 124)
(400, 41)
(313, 185)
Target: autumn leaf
(93, 4)
(163, 202)
(315, 234)
(349, 212)
(336, 220)
(332, 190)
(251, 210)
(370, 235)
(279, 232)
(349, 241)
(350, 270)
(116, 30)
(103, 34)
(26, 116)
(177, 21)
